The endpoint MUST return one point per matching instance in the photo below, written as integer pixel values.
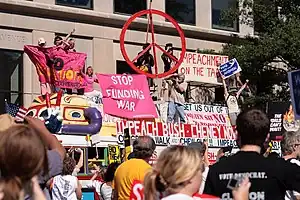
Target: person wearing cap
(203, 150)
(231, 97)
(42, 42)
(168, 62)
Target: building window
(183, 11)
(129, 6)
(11, 67)
(88, 4)
(219, 21)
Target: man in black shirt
(269, 177)
(168, 62)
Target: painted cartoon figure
(67, 114)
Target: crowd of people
(34, 165)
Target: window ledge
(109, 19)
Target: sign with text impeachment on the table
(199, 67)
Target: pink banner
(58, 67)
(126, 96)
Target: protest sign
(126, 96)
(114, 154)
(199, 67)
(230, 68)
(294, 82)
(282, 119)
(165, 134)
(58, 67)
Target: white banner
(201, 67)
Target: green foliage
(277, 41)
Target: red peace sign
(153, 45)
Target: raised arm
(241, 89)
(69, 35)
(226, 94)
(80, 162)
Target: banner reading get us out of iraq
(57, 67)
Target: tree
(276, 42)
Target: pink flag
(58, 67)
(126, 96)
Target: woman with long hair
(22, 157)
(90, 78)
(104, 188)
(176, 175)
(66, 186)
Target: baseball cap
(6, 121)
(41, 41)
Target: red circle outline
(170, 19)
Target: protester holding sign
(176, 89)
(231, 98)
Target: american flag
(16, 111)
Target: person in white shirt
(66, 186)
(231, 98)
(290, 147)
(104, 188)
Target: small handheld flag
(16, 111)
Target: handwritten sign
(230, 68)
(126, 96)
(294, 82)
(114, 154)
(199, 67)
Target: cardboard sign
(114, 154)
(201, 68)
(126, 96)
(294, 82)
(230, 68)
